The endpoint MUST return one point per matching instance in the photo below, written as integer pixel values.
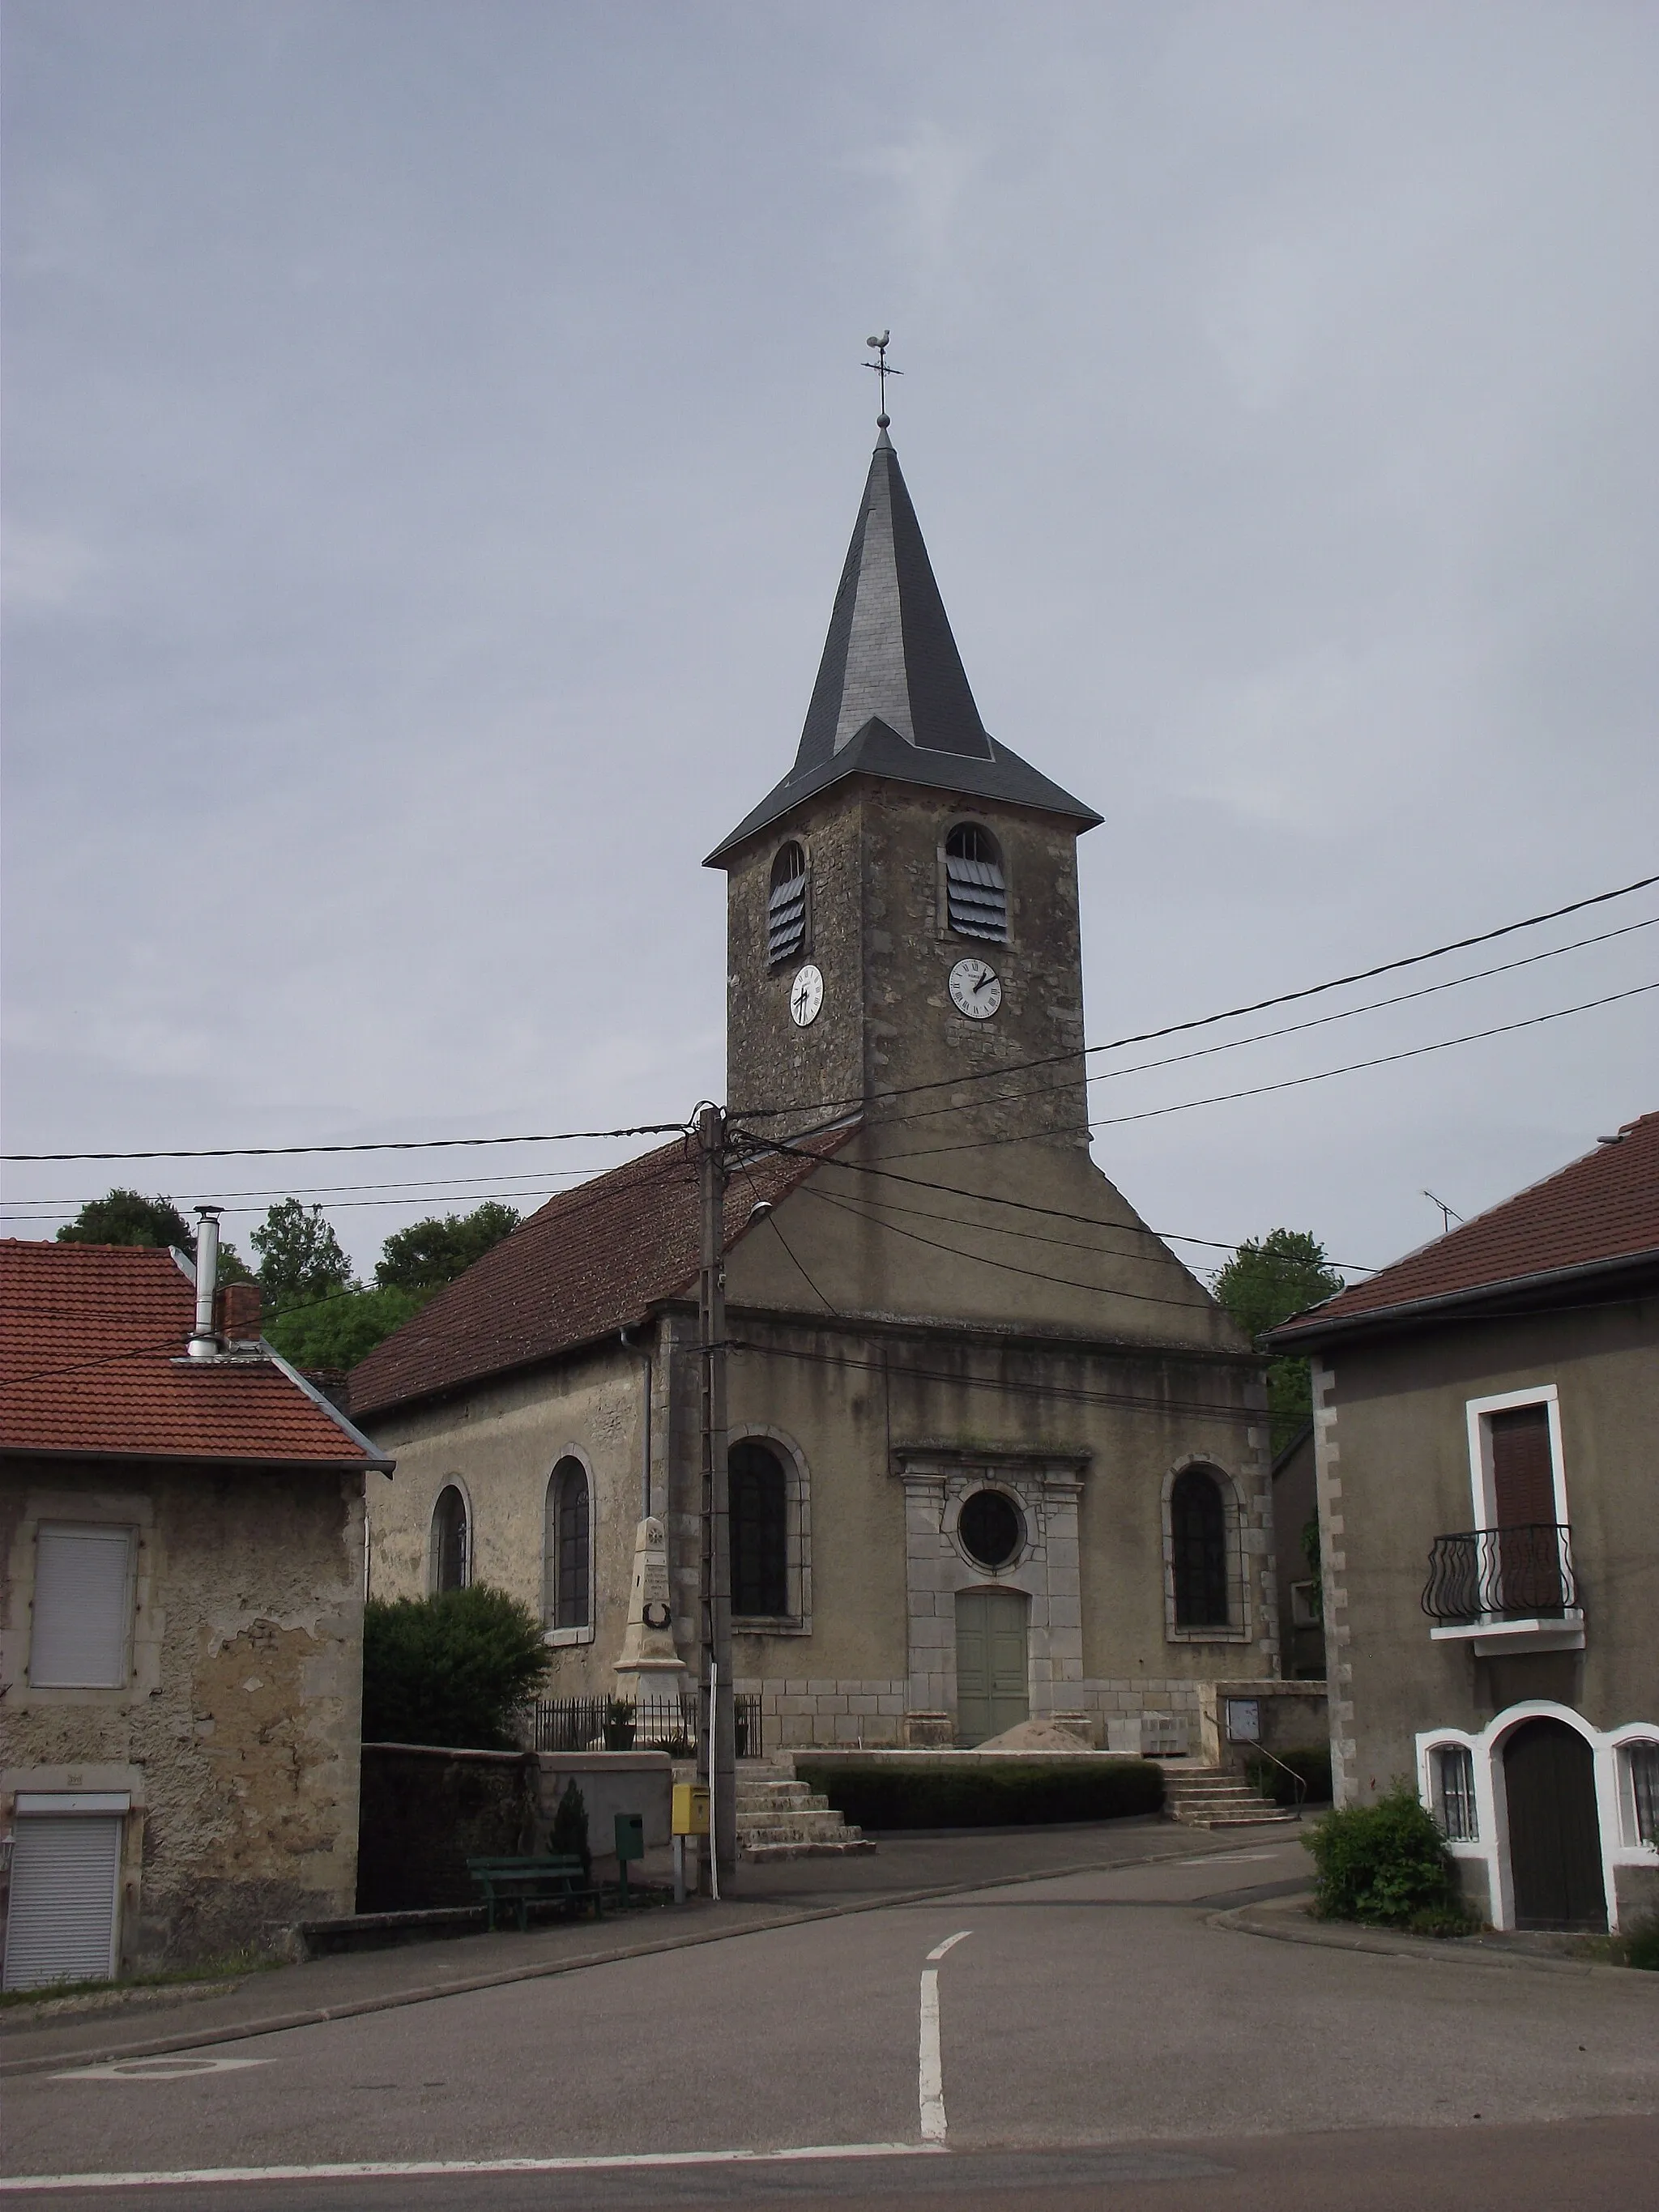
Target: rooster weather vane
(879, 346)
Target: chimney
(239, 1315)
(204, 1343)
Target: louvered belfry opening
(785, 907)
(977, 894)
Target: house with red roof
(1485, 1412)
(181, 1519)
(995, 1452)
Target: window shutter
(82, 1607)
(978, 899)
(786, 911)
(1522, 1476)
(61, 1923)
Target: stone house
(1485, 1416)
(995, 1453)
(181, 1521)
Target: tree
(126, 1217)
(340, 1329)
(1265, 1282)
(429, 1254)
(453, 1669)
(300, 1256)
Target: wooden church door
(1555, 1839)
(992, 1675)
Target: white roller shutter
(82, 1607)
(60, 1926)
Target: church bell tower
(903, 908)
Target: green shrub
(1639, 1944)
(1381, 1862)
(1002, 1795)
(1313, 1767)
(568, 1837)
(452, 1670)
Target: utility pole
(718, 1743)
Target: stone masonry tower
(903, 908)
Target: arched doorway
(992, 1674)
(1555, 1837)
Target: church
(995, 1454)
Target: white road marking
(930, 2071)
(1224, 1858)
(157, 2069)
(420, 2168)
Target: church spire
(892, 697)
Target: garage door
(60, 1925)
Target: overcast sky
(432, 435)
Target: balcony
(1506, 1590)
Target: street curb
(1274, 1921)
(427, 1993)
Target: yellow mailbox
(690, 1808)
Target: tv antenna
(878, 347)
(1447, 1215)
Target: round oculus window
(990, 1528)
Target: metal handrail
(1522, 1572)
(1263, 1752)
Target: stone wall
(236, 1738)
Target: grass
(230, 1968)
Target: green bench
(519, 1883)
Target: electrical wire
(777, 1229)
(1232, 1014)
(379, 1144)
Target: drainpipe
(634, 1346)
(204, 1343)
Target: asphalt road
(1091, 2039)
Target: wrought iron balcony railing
(1519, 1573)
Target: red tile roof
(1603, 1208)
(90, 1336)
(589, 1262)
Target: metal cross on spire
(879, 365)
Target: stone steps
(779, 1818)
(1215, 1797)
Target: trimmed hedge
(1313, 1767)
(996, 1794)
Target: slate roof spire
(892, 697)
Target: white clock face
(805, 995)
(976, 989)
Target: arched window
(1198, 1526)
(569, 1527)
(452, 1550)
(760, 1526)
(976, 892)
(786, 904)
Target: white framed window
(1304, 1605)
(1639, 1792)
(568, 1552)
(1451, 1768)
(81, 1627)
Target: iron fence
(1523, 1573)
(650, 1724)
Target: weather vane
(879, 346)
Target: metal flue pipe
(204, 1342)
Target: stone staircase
(1215, 1797)
(779, 1818)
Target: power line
(380, 1145)
(1232, 1014)
(777, 1229)
(1023, 1205)
(1260, 1090)
(1290, 1029)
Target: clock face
(976, 989)
(805, 995)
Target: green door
(991, 1671)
